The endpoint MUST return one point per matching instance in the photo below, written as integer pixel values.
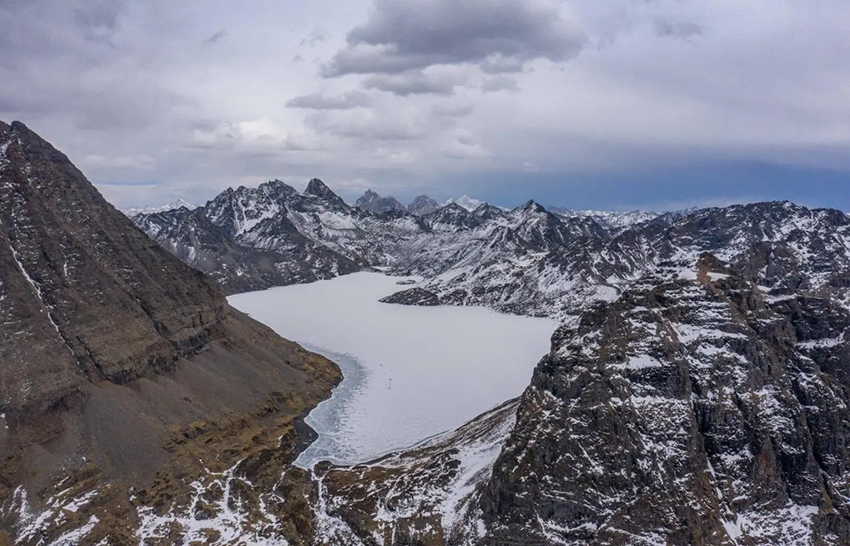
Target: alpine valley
(697, 391)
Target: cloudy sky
(618, 104)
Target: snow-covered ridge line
(528, 260)
(135, 211)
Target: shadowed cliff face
(123, 369)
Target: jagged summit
(320, 189)
(373, 202)
(531, 206)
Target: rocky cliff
(124, 375)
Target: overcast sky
(618, 104)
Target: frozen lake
(410, 372)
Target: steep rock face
(70, 261)
(700, 411)
(126, 380)
(373, 202)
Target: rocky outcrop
(413, 296)
(126, 379)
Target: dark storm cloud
(403, 36)
(318, 101)
(667, 28)
(411, 83)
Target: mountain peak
(373, 202)
(532, 206)
(422, 205)
(319, 189)
(278, 186)
(466, 202)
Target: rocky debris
(126, 378)
(373, 202)
(422, 205)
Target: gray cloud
(315, 38)
(218, 35)
(98, 20)
(318, 101)
(412, 83)
(500, 83)
(129, 92)
(667, 28)
(402, 36)
(497, 64)
(453, 110)
(365, 129)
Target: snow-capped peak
(134, 211)
(610, 219)
(466, 202)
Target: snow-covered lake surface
(410, 372)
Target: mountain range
(696, 392)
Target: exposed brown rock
(124, 374)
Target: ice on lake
(410, 372)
